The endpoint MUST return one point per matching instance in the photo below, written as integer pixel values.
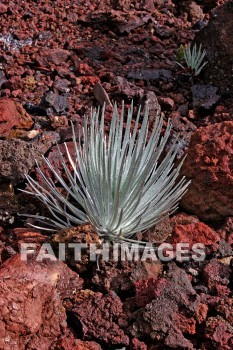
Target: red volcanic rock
(56, 161)
(67, 342)
(209, 165)
(230, 238)
(14, 83)
(226, 230)
(53, 56)
(166, 103)
(31, 317)
(147, 290)
(195, 12)
(12, 115)
(3, 8)
(86, 345)
(137, 345)
(31, 313)
(219, 333)
(215, 273)
(201, 313)
(183, 219)
(99, 316)
(25, 235)
(195, 233)
(186, 325)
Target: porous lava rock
(17, 157)
(209, 165)
(196, 233)
(219, 334)
(31, 314)
(53, 56)
(100, 316)
(13, 115)
(68, 342)
(171, 314)
(216, 273)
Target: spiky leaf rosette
(116, 182)
(194, 58)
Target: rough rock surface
(53, 56)
(32, 315)
(68, 342)
(216, 273)
(196, 233)
(220, 51)
(204, 97)
(219, 332)
(209, 165)
(12, 115)
(17, 157)
(99, 316)
(171, 312)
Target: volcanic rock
(220, 51)
(209, 165)
(31, 312)
(12, 114)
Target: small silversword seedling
(193, 58)
(118, 182)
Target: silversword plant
(117, 182)
(193, 57)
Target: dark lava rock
(2, 78)
(59, 103)
(152, 74)
(116, 21)
(94, 52)
(152, 102)
(34, 109)
(225, 249)
(184, 128)
(217, 39)
(204, 97)
(8, 204)
(17, 157)
(128, 89)
(126, 5)
(171, 314)
(62, 85)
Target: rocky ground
(57, 59)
